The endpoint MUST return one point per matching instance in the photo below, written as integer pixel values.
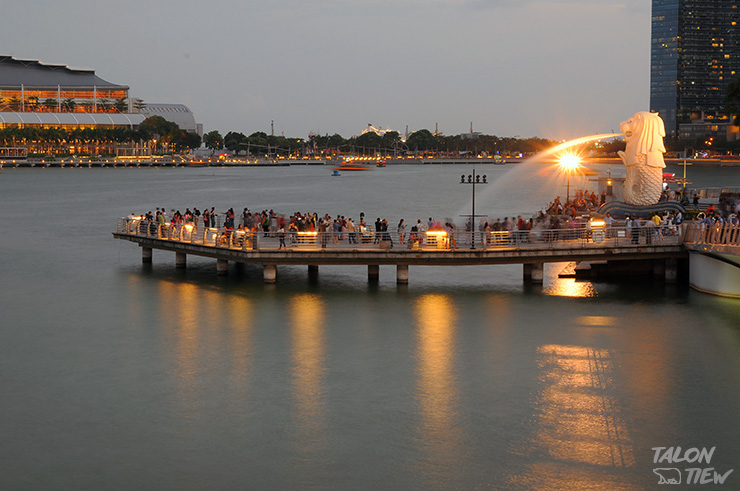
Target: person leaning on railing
(609, 221)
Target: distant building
(472, 135)
(695, 53)
(176, 113)
(33, 93)
(372, 129)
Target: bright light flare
(569, 162)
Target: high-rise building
(695, 53)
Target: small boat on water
(380, 163)
(351, 165)
(335, 173)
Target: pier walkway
(661, 246)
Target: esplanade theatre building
(39, 94)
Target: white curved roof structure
(72, 119)
(176, 113)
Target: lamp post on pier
(473, 179)
(569, 163)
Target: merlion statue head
(645, 132)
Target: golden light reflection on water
(569, 287)
(134, 305)
(309, 369)
(440, 432)
(578, 420)
(199, 327)
(179, 305)
(240, 312)
(596, 320)
(193, 322)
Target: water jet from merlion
(642, 159)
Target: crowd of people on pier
(581, 202)
(561, 219)
(726, 210)
(338, 229)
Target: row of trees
(370, 143)
(34, 104)
(163, 135)
(424, 141)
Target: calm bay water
(116, 375)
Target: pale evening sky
(549, 68)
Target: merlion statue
(643, 158)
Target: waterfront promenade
(661, 246)
(169, 161)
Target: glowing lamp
(569, 162)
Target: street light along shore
(473, 179)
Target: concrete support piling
(659, 269)
(373, 273)
(534, 273)
(402, 274)
(222, 266)
(181, 259)
(269, 273)
(313, 272)
(146, 255)
(671, 270)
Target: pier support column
(313, 272)
(146, 255)
(269, 273)
(534, 273)
(659, 268)
(222, 266)
(373, 273)
(402, 274)
(181, 259)
(671, 270)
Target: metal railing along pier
(413, 242)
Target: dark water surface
(115, 375)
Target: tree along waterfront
(155, 131)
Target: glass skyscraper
(695, 53)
